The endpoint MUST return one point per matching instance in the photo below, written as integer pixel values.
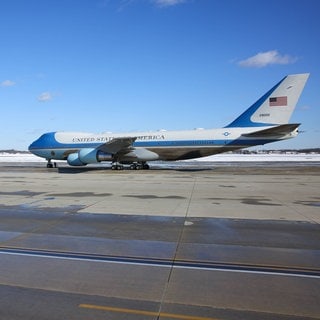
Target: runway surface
(181, 243)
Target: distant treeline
(12, 151)
(308, 150)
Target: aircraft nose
(31, 147)
(45, 141)
(35, 144)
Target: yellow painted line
(143, 312)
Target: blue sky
(127, 65)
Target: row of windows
(177, 143)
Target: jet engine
(88, 155)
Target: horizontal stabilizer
(280, 130)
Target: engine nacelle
(86, 156)
(73, 160)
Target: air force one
(266, 121)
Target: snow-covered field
(262, 157)
(24, 157)
(19, 157)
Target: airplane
(266, 121)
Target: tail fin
(276, 106)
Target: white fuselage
(167, 145)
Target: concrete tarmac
(184, 243)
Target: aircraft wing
(280, 130)
(117, 145)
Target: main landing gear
(139, 166)
(117, 166)
(133, 166)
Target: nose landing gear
(50, 164)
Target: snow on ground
(19, 157)
(224, 157)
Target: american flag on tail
(278, 101)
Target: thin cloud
(167, 3)
(264, 59)
(7, 83)
(45, 96)
(304, 108)
(123, 4)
